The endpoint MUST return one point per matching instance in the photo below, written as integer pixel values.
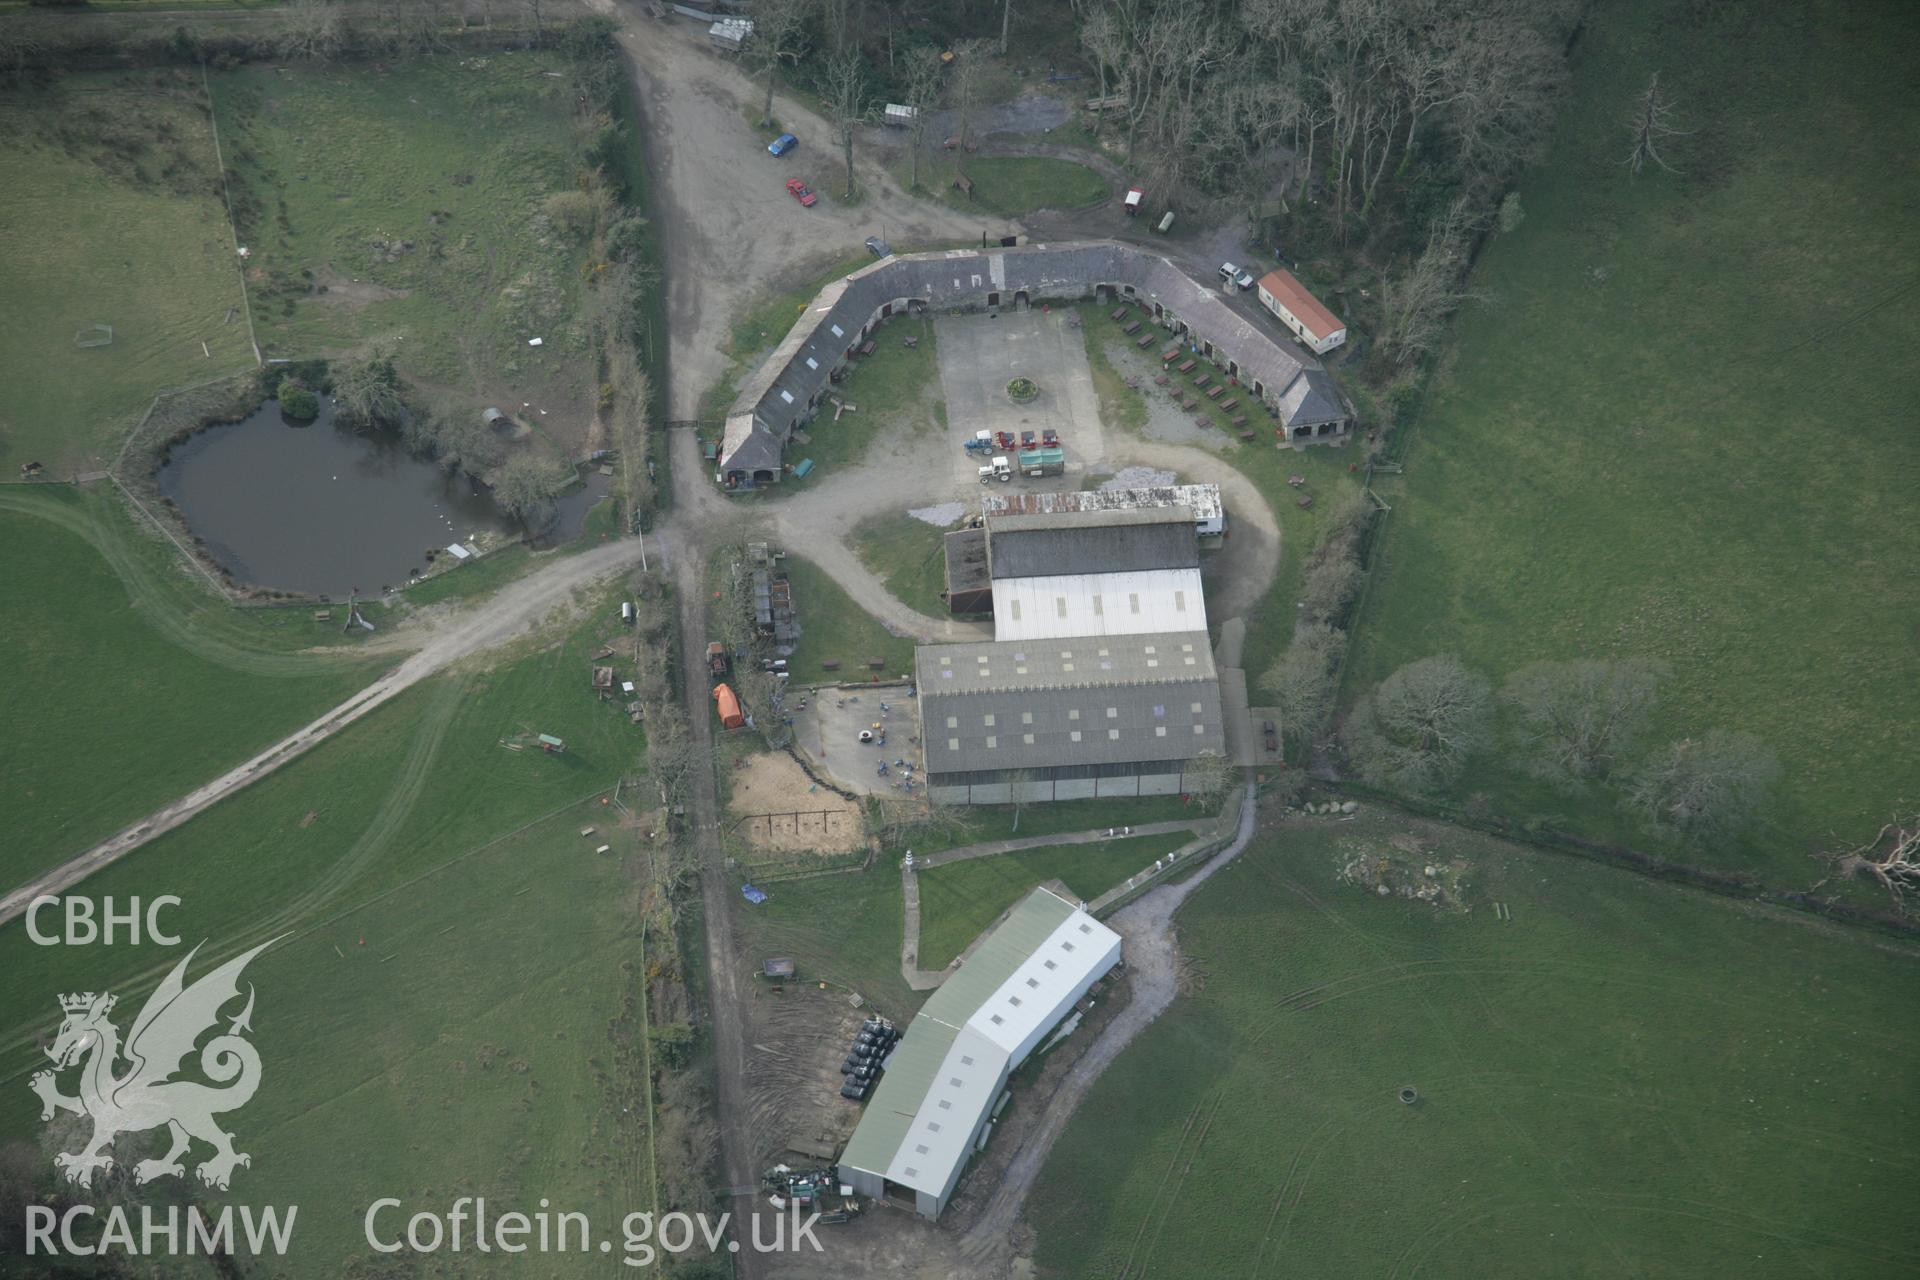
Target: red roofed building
(1301, 312)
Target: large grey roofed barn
(1055, 545)
(1023, 704)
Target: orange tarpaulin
(728, 706)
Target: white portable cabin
(730, 33)
(900, 116)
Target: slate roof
(1313, 398)
(1060, 544)
(783, 388)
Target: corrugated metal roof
(1203, 499)
(1067, 727)
(1061, 543)
(943, 1077)
(1099, 604)
(997, 666)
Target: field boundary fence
(1551, 840)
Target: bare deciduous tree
(923, 94)
(312, 30)
(964, 83)
(1652, 125)
(1415, 305)
(1576, 719)
(525, 486)
(1416, 730)
(1891, 858)
(1019, 792)
(1707, 786)
(776, 28)
(1301, 682)
(1207, 777)
(848, 103)
(369, 392)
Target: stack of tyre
(869, 1053)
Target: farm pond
(323, 510)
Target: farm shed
(969, 588)
(1300, 311)
(1066, 719)
(1098, 573)
(936, 1097)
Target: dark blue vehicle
(782, 144)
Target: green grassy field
(416, 193)
(897, 391)
(1010, 186)
(1622, 1079)
(909, 556)
(450, 1011)
(114, 217)
(1683, 431)
(834, 628)
(960, 899)
(119, 665)
(843, 929)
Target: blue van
(782, 144)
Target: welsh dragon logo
(145, 1095)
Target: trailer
(1042, 462)
(899, 116)
(728, 707)
(1134, 196)
(716, 659)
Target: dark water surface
(320, 509)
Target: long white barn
(937, 1094)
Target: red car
(802, 192)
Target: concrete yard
(828, 733)
(981, 352)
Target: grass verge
(960, 899)
(909, 556)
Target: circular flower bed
(1022, 390)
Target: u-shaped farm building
(786, 391)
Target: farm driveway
(730, 229)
